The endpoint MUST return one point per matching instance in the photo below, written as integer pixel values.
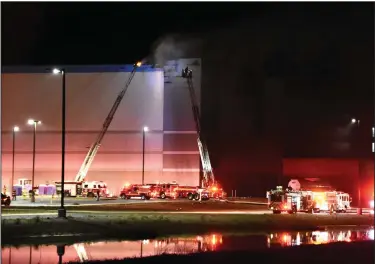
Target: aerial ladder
(95, 146)
(208, 174)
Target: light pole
(15, 129)
(33, 123)
(62, 211)
(145, 129)
(359, 209)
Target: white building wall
(91, 92)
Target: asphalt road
(81, 201)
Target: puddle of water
(49, 254)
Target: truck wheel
(276, 212)
(143, 197)
(163, 196)
(123, 196)
(148, 197)
(196, 197)
(190, 196)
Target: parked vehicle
(136, 190)
(5, 199)
(84, 189)
(164, 190)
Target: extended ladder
(208, 174)
(95, 146)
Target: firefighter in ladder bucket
(187, 72)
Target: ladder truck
(76, 187)
(208, 181)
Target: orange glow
(213, 240)
(319, 199)
(139, 64)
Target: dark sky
(84, 33)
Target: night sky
(98, 33)
(321, 54)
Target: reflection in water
(177, 245)
(318, 237)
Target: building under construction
(157, 98)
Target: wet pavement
(84, 251)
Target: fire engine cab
(332, 201)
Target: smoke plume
(173, 47)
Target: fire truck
(77, 187)
(332, 201)
(290, 201)
(164, 190)
(137, 190)
(295, 199)
(325, 197)
(84, 189)
(192, 192)
(174, 190)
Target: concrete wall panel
(184, 177)
(180, 142)
(90, 97)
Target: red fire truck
(164, 190)
(191, 192)
(136, 190)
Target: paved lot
(80, 201)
